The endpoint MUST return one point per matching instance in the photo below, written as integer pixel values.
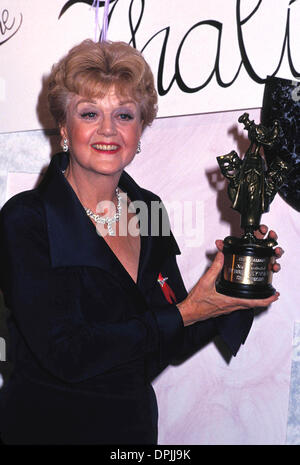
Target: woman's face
(102, 134)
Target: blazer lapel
(72, 237)
(155, 248)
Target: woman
(93, 319)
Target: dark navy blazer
(85, 339)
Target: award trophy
(247, 270)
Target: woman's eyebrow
(83, 100)
(94, 102)
(125, 102)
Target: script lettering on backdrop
(9, 25)
(217, 26)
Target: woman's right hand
(205, 302)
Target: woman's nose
(106, 126)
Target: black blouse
(85, 339)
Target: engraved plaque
(248, 270)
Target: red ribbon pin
(168, 292)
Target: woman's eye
(125, 116)
(88, 115)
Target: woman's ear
(64, 138)
(63, 131)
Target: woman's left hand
(260, 234)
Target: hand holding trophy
(247, 271)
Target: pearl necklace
(109, 220)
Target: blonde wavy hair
(90, 69)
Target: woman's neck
(92, 188)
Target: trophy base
(245, 291)
(247, 271)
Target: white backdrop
(208, 399)
(206, 56)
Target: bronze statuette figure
(247, 270)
